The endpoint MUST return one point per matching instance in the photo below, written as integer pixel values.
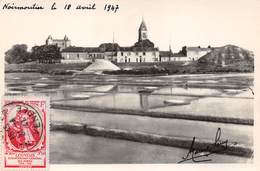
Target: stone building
(104, 51)
(194, 53)
(142, 51)
(186, 54)
(61, 43)
(168, 56)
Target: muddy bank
(181, 142)
(229, 120)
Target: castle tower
(142, 32)
(66, 38)
(67, 42)
(49, 40)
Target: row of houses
(114, 52)
(186, 54)
(142, 51)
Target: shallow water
(223, 95)
(81, 149)
(162, 126)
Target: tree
(17, 54)
(46, 53)
(184, 50)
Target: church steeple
(142, 32)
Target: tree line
(43, 54)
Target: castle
(61, 43)
(143, 50)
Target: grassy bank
(59, 68)
(154, 68)
(178, 68)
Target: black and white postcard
(134, 81)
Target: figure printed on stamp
(24, 127)
(23, 132)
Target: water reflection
(124, 88)
(144, 102)
(130, 93)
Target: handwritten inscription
(109, 7)
(56, 6)
(13, 6)
(88, 7)
(201, 155)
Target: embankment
(181, 142)
(229, 120)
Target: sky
(170, 22)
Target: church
(142, 51)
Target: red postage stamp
(25, 133)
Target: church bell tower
(142, 32)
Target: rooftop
(143, 26)
(145, 45)
(198, 48)
(170, 54)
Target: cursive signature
(201, 154)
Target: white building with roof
(194, 53)
(184, 55)
(142, 51)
